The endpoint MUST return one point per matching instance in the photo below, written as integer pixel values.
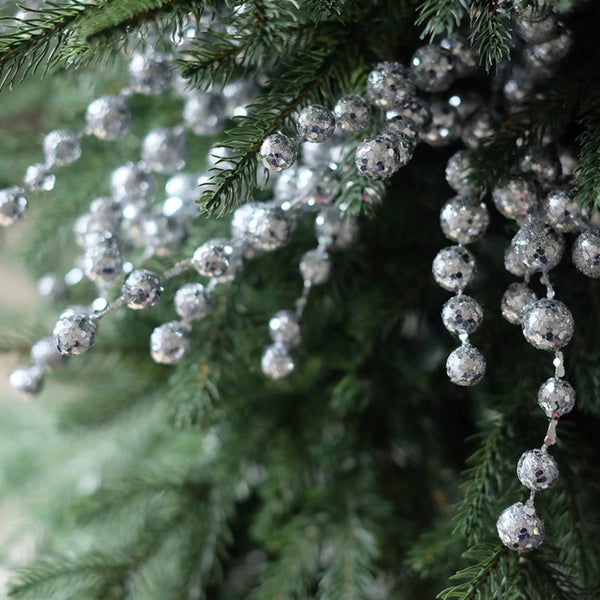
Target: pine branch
(587, 183)
(440, 17)
(489, 35)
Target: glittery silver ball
(453, 268)
(276, 362)
(465, 365)
(141, 289)
(61, 147)
(432, 68)
(74, 333)
(546, 54)
(265, 228)
(150, 74)
(389, 85)
(103, 262)
(462, 314)
(334, 228)
(444, 127)
(213, 258)
(404, 143)
(520, 528)
(169, 343)
(586, 253)
(477, 128)
(203, 113)
(464, 219)
(377, 157)
(513, 264)
(352, 113)
(278, 152)
(458, 169)
(417, 111)
(563, 213)
(536, 30)
(38, 178)
(315, 266)
(547, 324)
(12, 205)
(316, 186)
(404, 126)
(516, 298)
(519, 86)
(45, 354)
(538, 246)
(27, 380)
(184, 186)
(464, 57)
(315, 123)
(556, 397)
(192, 301)
(543, 164)
(108, 117)
(164, 150)
(284, 328)
(132, 184)
(537, 470)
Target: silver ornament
(556, 397)
(545, 55)
(516, 298)
(543, 164)
(464, 57)
(141, 289)
(61, 147)
(316, 186)
(520, 528)
(74, 332)
(563, 213)
(432, 68)
(462, 314)
(276, 362)
(284, 328)
(108, 117)
(315, 266)
(404, 126)
(150, 74)
(535, 30)
(417, 110)
(169, 343)
(547, 324)
(192, 301)
(27, 380)
(278, 152)
(389, 85)
(334, 228)
(519, 86)
(513, 264)
(458, 169)
(538, 246)
(266, 228)
(315, 123)
(213, 258)
(352, 113)
(103, 263)
(537, 470)
(38, 178)
(453, 268)
(12, 205)
(184, 186)
(203, 113)
(106, 210)
(477, 128)
(404, 143)
(444, 127)
(45, 354)
(464, 219)
(132, 184)
(164, 150)
(465, 366)
(586, 253)
(378, 157)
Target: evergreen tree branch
(489, 33)
(440, 17)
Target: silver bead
(352, 113)
(12, 206)
(315, 266)
(464, 57)
(27, 380)
(516, 298)
(563, 213)
(477, 128)
(317, 186)
(520, 528)
(38, 178)
(284, 328)
(538, 246)
(267, 228)
(149, 74)
(464, 219)
(417, 110)
(513, 264)
(586, 253)
(453, 268)
(203, 113)
(465, 366)
(378, 157)
(458, 169)
(543, 164)
(164, 150)
(432, 68)
(61, 147)
(462, 314)
(103, 262)
(535, 30)
(278, 152)
(444, 127)
(537, 470)
(132, 184)
(315, 123)
(169, 343)
(404, 126)
(45, 354)
(141, 289)
(184, 186)
(213, 258)
(547, 324)
(74, 333)
(556, 397)
(108, 117)
(276, 362)
(545, 55)
(334, 228)
(389, 85)
(192, 302)
(519, 86)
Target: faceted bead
(520, 528)
(537, 470)
(462, 315)
(515, 300)
(276, 362)
(556, 397)
(61, 147)
(538, 246)
(278, 152)
(453, 268)
(164, 150)
(352, 113)
(74, 333)
(465, 366)
(213, 258)
(284, 328)
(389, 85)
(169, 343)
(192, 301)
(563, 213)
(141, 289)
(586, 253)
(432, 68)
(547, 324)
(315, 266)
(38, 178)
(315, 123)
(108, 117)
(12, 206)
(377, 157)
(150, 74)
(464, 219)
